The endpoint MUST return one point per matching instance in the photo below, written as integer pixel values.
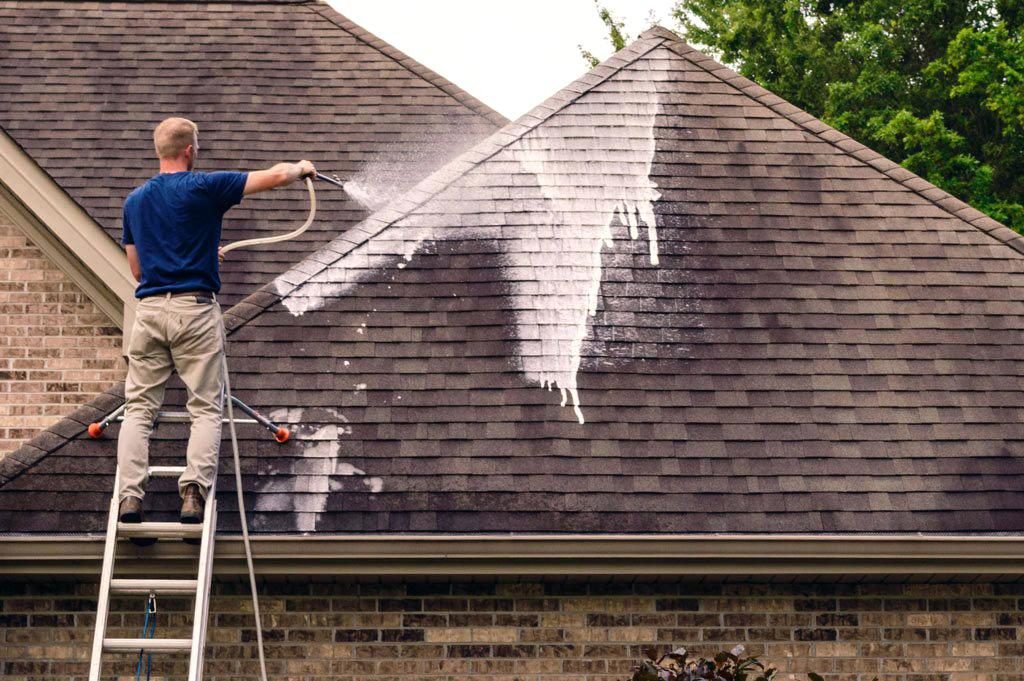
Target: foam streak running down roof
(554, 265)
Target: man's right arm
(280, 175)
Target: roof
(752, 324)
(82, 84)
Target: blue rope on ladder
(148, 631)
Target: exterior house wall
(57, 349)
(535, 630)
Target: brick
(996, 634)
(470, 619)
(404, 604)
(355, 635)
(469, 651)
(814, 634)
(677, 604)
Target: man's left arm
(128, 241)
(133, 261)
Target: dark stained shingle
(749, 322)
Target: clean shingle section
(806, 342)
(83, 84)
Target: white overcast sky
(511, 54)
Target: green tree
(617, 35)
(937, 85)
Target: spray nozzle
(331, 179)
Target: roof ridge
(258, 301)
(437, 80)
(849, 146)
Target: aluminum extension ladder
(199, 587)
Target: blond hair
(173, 135)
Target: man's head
(177, 139)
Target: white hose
(234, 437)
(279, 237)
(243, 520)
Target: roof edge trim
(680, 555)
(55, 251)
(82, 237)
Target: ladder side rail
(103, 601)
(204, 578)
(204, 583)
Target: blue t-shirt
(174, 221)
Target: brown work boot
(130, 511)
(192, 505)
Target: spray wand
(331, 179)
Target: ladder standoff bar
(280, 433)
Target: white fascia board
(105, 263)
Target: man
(172, 227)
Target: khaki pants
(173, 333)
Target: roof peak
(651, 39)
(659, 31)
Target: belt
(178, 294)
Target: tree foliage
(937, 85)
(617, 35)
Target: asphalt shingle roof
(82, 84)
(751, 324)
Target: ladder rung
(183, 587)
(127, 645)
(174, 416)
(185, 417)
(160, 530)
(165, 471)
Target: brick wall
(57, 349)
(534, 631)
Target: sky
(511, 54)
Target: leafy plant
(617, 35)
(677, 665)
